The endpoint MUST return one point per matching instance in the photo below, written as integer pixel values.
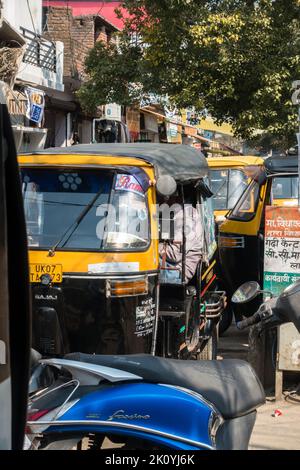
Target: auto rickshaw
(94, 231)
(229, 177)
(241, 235)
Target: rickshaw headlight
(127, 287)
(231, 242)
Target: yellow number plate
(37, 270)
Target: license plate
(37, 270)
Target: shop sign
(133, 122)
(35, 104)
(192, 131)
(282, 248)
(113, 112)
(151, 123)
(174, 133)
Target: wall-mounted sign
(192, 131)
(133, 122)
(282, 248)
(113, 112)
(35, 104)
(174, 133)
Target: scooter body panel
(166, 415)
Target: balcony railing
(39, 51)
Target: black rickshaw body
(241, 235)
(95, 283)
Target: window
(84, 209)
(285, 187)
(227, 186)
(245, 209)
(128, 222)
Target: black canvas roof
(180, 161)
(288, 164)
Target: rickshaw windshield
(245, 208)
(285, 187)
(227, 185)
(55, 202)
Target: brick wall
(78, 35)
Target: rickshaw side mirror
(166, 185)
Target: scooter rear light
(34, 415)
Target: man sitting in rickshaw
(186, 242)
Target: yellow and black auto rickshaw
(241, 235)
(229, 177)
(94, 230)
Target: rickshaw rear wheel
(226, 320)
(208, 349)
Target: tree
(235, 58)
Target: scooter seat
(230, 385)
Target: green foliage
(236, 58)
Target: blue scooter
(148, 402)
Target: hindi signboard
(282, 248)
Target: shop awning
(8, 33)
(61, 104)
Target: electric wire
(31, 17)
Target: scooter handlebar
(256, 318)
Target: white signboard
(282, 248)
(113, 112)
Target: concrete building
(79, 35)
(41, 68)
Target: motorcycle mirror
(246, 292)
(166, 185)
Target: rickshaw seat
(175, 298)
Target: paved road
(281, 433)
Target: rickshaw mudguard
(158, 413)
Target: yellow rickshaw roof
(182, 162)
(235, 160)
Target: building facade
(79, 34)
(39, 71)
